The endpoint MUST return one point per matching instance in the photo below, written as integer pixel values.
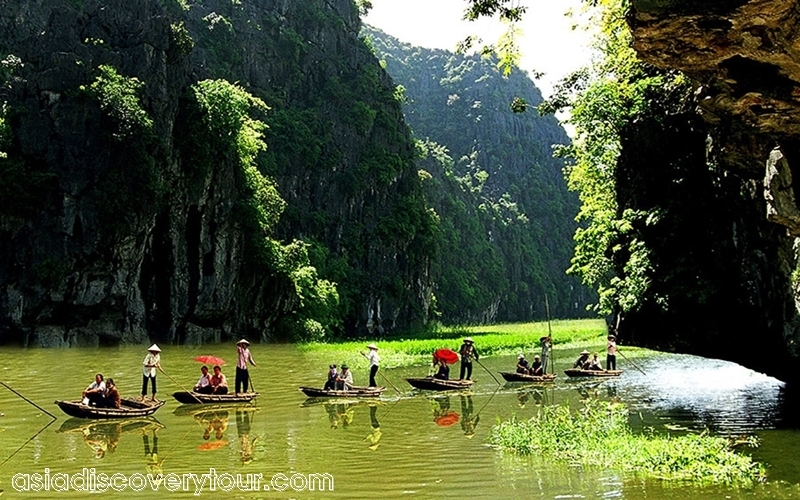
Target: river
(408, 445)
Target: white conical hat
(243, 341)
(372, 346)
(154, 348)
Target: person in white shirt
(374, 362)
(345, 380)
(203, 385)
(94, 393)
(149, 365)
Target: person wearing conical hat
(151, 362)
(582, 361)
(467, 352)
(243, 357)
(374, 361)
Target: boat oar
(631, 362)
(28, 441)
(29, 401)
(382, 375)
(550, 357)
(487, 371)
(181, 386)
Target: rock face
(743, 57)
(117, 241)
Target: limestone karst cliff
(725, 169)
(122, 222)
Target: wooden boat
(437, 384)
(576, 372)
(128, 408)
(355, 392)
(522, 377)
(190, 398)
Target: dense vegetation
(674, 236)
(505, 215)
(598, 435)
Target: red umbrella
(210, 360)
(212, 445)
(445, 355)
(447, 419)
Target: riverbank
(490, 340)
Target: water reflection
(702, 393)
(374, 437)
(214, 423)
(103, 437)
(469, 420)
(356, 440)
(244, 418)
(443, 416)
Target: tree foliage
(604, 99)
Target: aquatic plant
(599, 435)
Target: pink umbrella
(210, 360)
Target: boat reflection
(103, 437)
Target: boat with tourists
(187, 397)
(577, 372)
(353, 392)
(524, 377)
(437, 384)
(128, 408)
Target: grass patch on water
(599, 435)
(492, 340)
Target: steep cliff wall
(737, 217)
(108, 235)
(502, 177)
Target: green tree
(603, 100)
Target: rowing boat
(197, 398)
(576, 372)
(354, 392)
(522, 377)
(128, 408)
(437, 384)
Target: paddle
(487, 371)
(252, 387)
(550, 356)
(28, 441)
(191, 393)
(382, 375)
(29, 401)
(631, 362)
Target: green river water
(412, 444)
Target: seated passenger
(330, 384)
(522, 365)
(593, 364)
(203, 386)
(110, 397)
(219, 382)
(344, 381)
(94, 392)
(444, 371)
(536, 367)
(582, 362)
